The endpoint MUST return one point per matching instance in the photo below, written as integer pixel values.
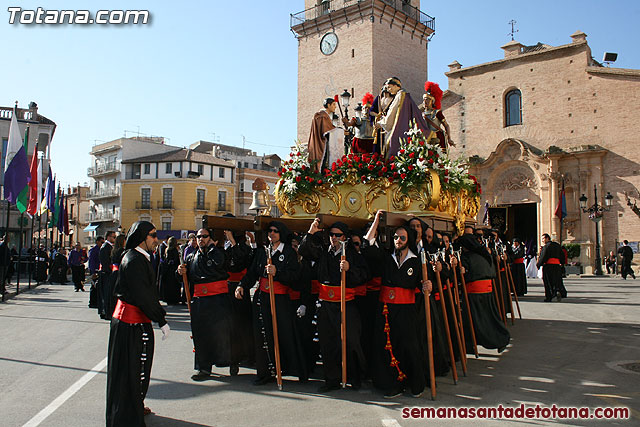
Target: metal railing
(104, 193)
(165, 204)
(102, 169)
(141, 204)
(205, 206)
(366, 7)
(223, 207)
(102, 216)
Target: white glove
(302, 310)
(165, 331)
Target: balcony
(329, 10)
(165, 204)
(102, 216)
(201, 206)
(143, 204)
(221, 207)
(104, 193)
(103, 169)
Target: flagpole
(38, 248)
(19, 254)
(29, 269)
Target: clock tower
(356, 45)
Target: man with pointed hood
(330, 266)
(478, 270)
(131, 340)
(285, 271)
(397, 356)
(210, 305)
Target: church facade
(543, 116)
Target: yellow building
(174, 190)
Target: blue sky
(215, 68)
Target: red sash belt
(278, 288)
(315, 287)
(374, 284)
(479, 286)
(554, 261)
(396, 295)
(360, 290)
(129, 313)
(236, 277)
(115, 267)
(211, 288)
(294, 295)
(502, 269)
(332, 293)
(518, 261)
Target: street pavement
(578, 352)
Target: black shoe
(419, 394)
(201, 376)
(394, 393)
(234, 369)
(77, 290)
(328, 387)
(264, 380)
(559, 297)
(82, 289)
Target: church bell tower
(356, 45)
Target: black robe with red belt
(131, 340)
(286, 279)
(210, 308)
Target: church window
(513, 108)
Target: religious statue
(325, 139)
(393, 114)
(432, 113)
(363, 129)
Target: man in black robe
(42, 261)
(330, 265)
(517, 268)
(210, 306)
(239, 256)
(131, 339)
(478, 269)
(397, 359)
(285, 271)
(550, 260)
(627, 255)
(104, 284)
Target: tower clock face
(329, 43)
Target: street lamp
(595, 214)
(344, 100)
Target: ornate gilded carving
(400, 200)
(376, 189)
(332, 194)
(310, 202)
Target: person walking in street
(627, 255)
(94, 266)
(131, 339)
(76, 263)
(104, 284)
(5, 260)
(550, 261)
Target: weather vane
(513, 30)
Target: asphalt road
(573, 353)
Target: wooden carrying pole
(427, 310)
(515, 295)
(458, 305)
(187, 290)
(506, 275)
(466, 301)
(274, 323)
(456, 327)
(343, 315)
(454, 371)
(499, 293)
